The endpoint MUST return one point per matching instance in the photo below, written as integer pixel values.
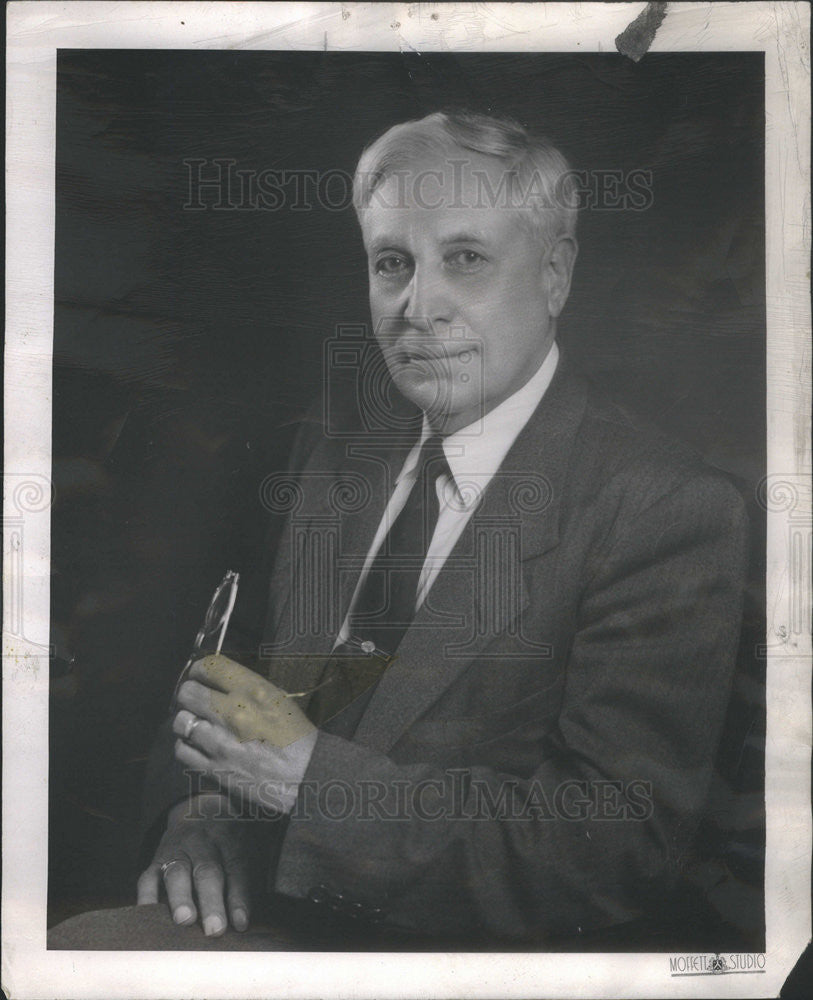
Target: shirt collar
(476, 452)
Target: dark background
(188, 343)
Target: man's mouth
(432, 354)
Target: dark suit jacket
(577, 649)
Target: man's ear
(559, 262)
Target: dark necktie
(385, 603)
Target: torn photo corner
(474, 339)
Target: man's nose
(427, 301)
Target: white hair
(537, 178)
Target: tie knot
(432, 448)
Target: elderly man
(507, 730)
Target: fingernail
(212, 925)
(182, 915)
(240, 919)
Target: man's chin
(443, 407)
(431, 394)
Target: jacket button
(319, 894)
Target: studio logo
(716, 964)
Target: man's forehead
(443, 194)
(382, 225)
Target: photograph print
(407, 559)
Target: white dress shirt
(474, 454)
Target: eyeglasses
(213, 631)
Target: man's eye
(391, 266)
(466, 260)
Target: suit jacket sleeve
(648, 679)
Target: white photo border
(36, 30)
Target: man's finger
(182, 722)
(149, 885)
(209, 884)
(191, 756)
(202, 701)
(178, 883)
(220, 672)
(199, 733)
(260, 713)
(238, 893)
(206, 703)
(234, 711)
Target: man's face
(464, 299)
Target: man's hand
(242, 701)
(244, 732)
(201, 858)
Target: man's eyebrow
(384, 243)
(464, 236)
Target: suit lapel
(344, 489)
(517, 520)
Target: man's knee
(129, 927)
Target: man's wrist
(300, 757)
(201, 806)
